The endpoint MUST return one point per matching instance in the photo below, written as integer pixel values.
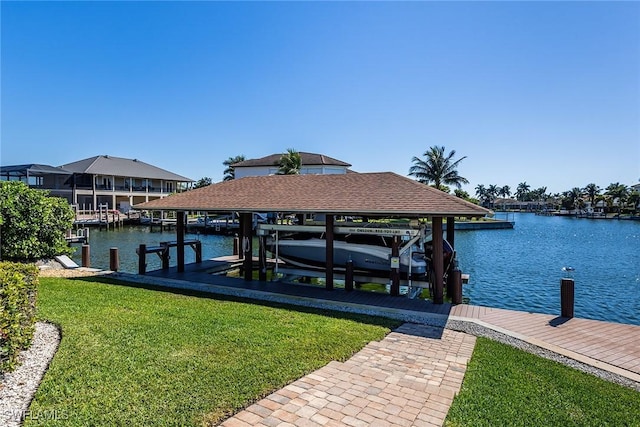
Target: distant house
(312, 163)
(116, 182)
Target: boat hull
(368, 258)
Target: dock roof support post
(329, 251)
(180, 240)
(451, 240)
(247, 245)
(438, 261)
(451, 234)
(262, 258)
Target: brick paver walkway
(407, 379)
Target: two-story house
(311, 164)
(116, 182)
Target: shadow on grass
(374, 320)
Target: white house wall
(242, 172)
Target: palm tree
(522, 191)
(481, 192)
(437, 168)
(634, 200)
(290, 163)
(539, 194)
(592, 190)
(229, 172)
(492, 193)
(575, 197)
(504, 192)
(617, 191)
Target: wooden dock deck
(608, 346)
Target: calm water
(521, 268)
(128, 239)
(516, 269)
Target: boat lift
(409, 237)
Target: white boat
(311, 253)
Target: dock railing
(162, 251)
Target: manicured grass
(504, 386)
(133, 356)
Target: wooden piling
(142, 259)
(329, 222)
(247, 245)
(437, 260)
(236, 247)
(114, 261)
(86, 256)
(567, 288)
(165, 257)
(456, 286)
(180, 230)
(262, 258)
(198, 252)
(348, 276)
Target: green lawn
(504, 386)
(133, 356)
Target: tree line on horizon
(615, 195)
(440, 170)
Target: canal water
(517, 268)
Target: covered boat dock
(383, 195)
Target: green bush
(18, 287)
(32, 224)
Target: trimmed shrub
(33, 224)
(18, 288)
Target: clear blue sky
(542, 92)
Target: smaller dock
(81, 236)
(484, 225)
(102, 218)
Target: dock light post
(567, 287)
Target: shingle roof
(118, 166)
(383, 193)
(308, 159)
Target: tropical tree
(483, 195)
(522, 191)
(591, 191)
(504, 192)
(229, 172)
(539, 195)
(573, 198)
(464, 195)
(438, 168)
(202, 182)
(290, 163)
(33, 224)
(619, 192)
(634, 199)
(492, 193)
